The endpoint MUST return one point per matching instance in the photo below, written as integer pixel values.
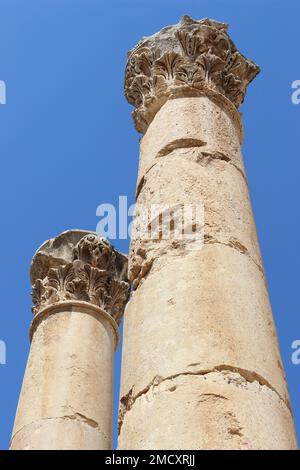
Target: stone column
(79, 293)
(201, 363)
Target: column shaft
(66, 398)
(79, 293)
(201, 363)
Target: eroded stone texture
(82, 266)
(79, 292)
(201, 366)
(208, 411)
(62, 432)
(199, 311)
(193, 56)
(68, 384)
(199, 122)
(174, 171)
(192, 177)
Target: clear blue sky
(68, 144)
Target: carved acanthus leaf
(60, 278)
(96, 251)
(192, 54)
(38, 295)
(167, 65)
(95, 275)
(118, 296)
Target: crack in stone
(143, 180)
(127, 402)
(184, 143)
(211, 156)
(204, 156)
(208, 240)
(208, 396)
(81, 417)
(75, 416)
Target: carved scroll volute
(191, 56)
(90, 271)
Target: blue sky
(68, 143)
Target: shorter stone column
(79, 293)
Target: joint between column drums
(74, 307)
(152, 107)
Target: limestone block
(191, 177)
(190, 122)
(217, 410)
(68, 381)
(201, 366)
(72, 432)
(200, 311)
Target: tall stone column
(79, 293)
(201, 365)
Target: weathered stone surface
(79, 291)
(215, 410)
(199, 311)
(79, 265)
(191, 122)
(191, 155)
(68, 383)
(194, 178)
(190, 57)
(61, 433)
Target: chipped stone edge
(79, 417)
(176, 144)
(74, 307)
(127, 401)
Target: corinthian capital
(83, 266)
(192, 57)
